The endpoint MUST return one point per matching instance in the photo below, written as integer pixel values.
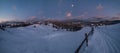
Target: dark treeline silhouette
(69, 25)
(62, 25)
(14, 25)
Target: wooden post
(85, 40)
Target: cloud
(33, 17)
(99, 7)
(84, 14)
(72, 5)
(69, 14)
(6, 19)
(14, 7)
(118, 14)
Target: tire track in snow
(110, 41)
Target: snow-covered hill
(45, 39)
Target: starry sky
(20, 9)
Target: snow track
(105, 40)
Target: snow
(105, 40)
(45, 39)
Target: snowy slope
(42, 39)
(106, 39)
(45, 39)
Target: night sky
(24, 9)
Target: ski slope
(45, 39)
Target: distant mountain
(69, 24)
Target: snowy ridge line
(69, 25)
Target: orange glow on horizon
(5, 19)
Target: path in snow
(105, 40)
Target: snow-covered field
(45, 39)
(106, 39)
